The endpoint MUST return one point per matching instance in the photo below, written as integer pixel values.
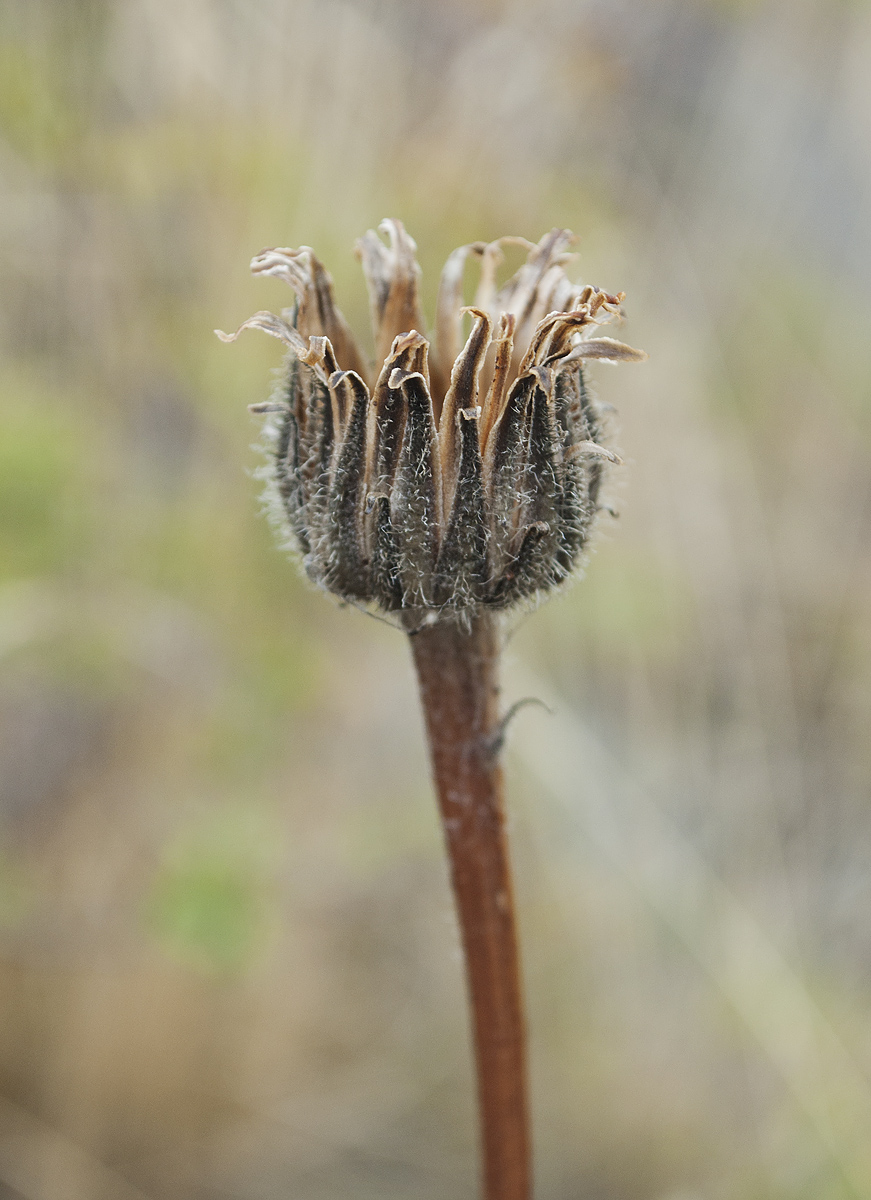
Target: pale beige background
(228, 965)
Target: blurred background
(228, 962)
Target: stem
(457, 670)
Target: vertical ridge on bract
(414, 506)
(520, 576)
(462, 570)
(316, 451)
(384, 569)
(388, 412)
(288, 479)
(462, 393)
(543, 484)
(504, 471)
(347, 569)
(576, 507)
(321, 358)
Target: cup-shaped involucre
(444, 481)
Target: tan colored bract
(446, 480)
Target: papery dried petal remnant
(444, 480)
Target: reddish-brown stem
(457, 670)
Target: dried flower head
(447, 480)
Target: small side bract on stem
(444, 485)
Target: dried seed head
(438, 484)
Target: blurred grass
(229, 965)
